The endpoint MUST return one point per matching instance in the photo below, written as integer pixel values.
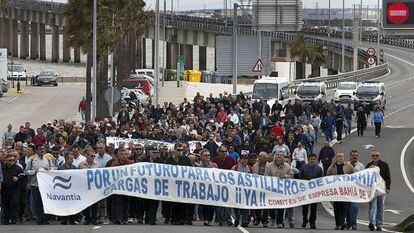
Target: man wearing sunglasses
(10, 195)
(377, 205)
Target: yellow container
(192, 76)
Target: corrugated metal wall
(277, 15)
(248, 48)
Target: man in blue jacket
(307, 172)
(329, 126)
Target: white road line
(400, 59)
(402, 165)
(242, 229)
(398, 110)
(96, 227)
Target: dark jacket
(182, 160)
(308, 172)
(226, 164)
(8, 174)
(326, 155)
(384, 172)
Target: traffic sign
(371, 51)
(116, 96)
(371, 61)
(258, 67)
(398, 14)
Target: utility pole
(329, 19)
(235, 63)
(94, 48)
(360, 24)
(378, 34)
(164, 44)
(343, 36)
(157, 49)
(316, 10)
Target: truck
(271, 89)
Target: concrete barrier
(205, 89)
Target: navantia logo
(62, 183)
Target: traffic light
(398, 14)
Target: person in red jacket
(277, 130)
(120, 201)
(82, 108)
(39, 138)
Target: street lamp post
(157, 49)
(94, 47)
(343, 36)
(329, 19)
(235, 63)
(378, 34)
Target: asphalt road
(41, 104)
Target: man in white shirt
(233, 117)
(78, 158)
(352, 214)
(300, 156)
(102, 157)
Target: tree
(318, 59)
(300, 49)
(115, 20)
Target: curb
(22, 91)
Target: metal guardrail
(332, 81)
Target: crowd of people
(234, 133)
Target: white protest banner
(146, 142)
(68, 192)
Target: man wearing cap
(280, 169)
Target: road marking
(400, 59)
(395, 126)
(399, 110)
(242, 229)
(96, 227)
(394, 211)
(402, 165)
(366, 223)
(366, 147)
(11, 100)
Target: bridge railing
(332, 81)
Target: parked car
(16, 72)
(137, 83)
(47, 77)
(141, 96)
(4, 85)
(1, 93)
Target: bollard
(18, 86)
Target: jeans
(312, 217)
(376, 211)
(121, 208)
(262, 216)
(9, 203)
(91, 214)
(377, 128)
(316, 133)
(349, 126)
(241, 214)
(223, 214)
(329, 134)
(352, 215)
(290, 215)
(360, 128)
(41, 217)
(280, 213)
(340, 211)
(82, 113)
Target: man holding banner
(279, 168)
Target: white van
(16, 72)
(370, 93)
(271, 89)
(308, 91)
(345, 92)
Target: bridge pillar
(10, 36)
(202, 57)
(66, 47)
(24, 39)
(349, 64)
(2, 33)
(15, 37)
(188, 57)
(77, 55)
(34, 40)
(55, 43)
(172, 55)
(42, 40)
